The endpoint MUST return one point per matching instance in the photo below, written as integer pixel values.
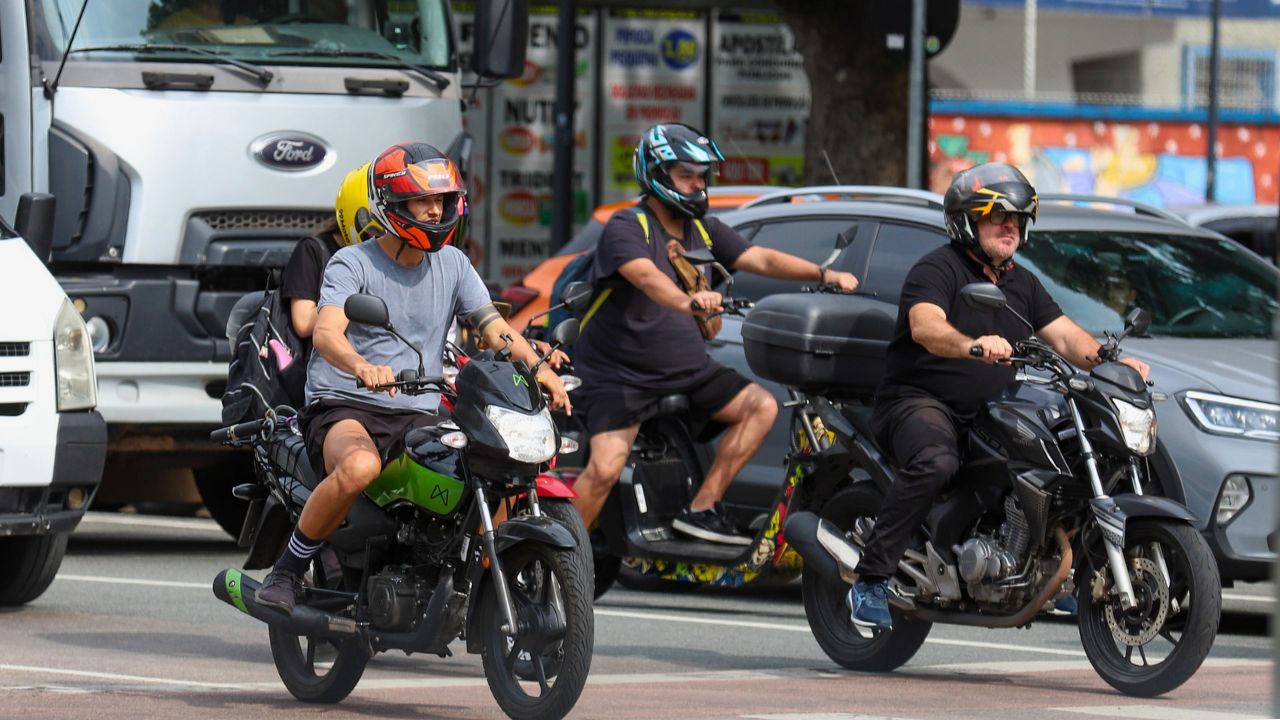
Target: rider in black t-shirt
(643, 341)
(933, 386)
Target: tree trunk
(858, 114)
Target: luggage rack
(818, 193)
(1139, 208)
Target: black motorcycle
(419, 562)
(1051, 500)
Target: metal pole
(1029, 50)
(562, 165)
(915, 93)
(1211, 152)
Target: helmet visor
(428, 177)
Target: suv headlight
(1137, 425)
(529, 438)
(73, 359)
(1223, 415)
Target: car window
(896, 249)
(1192, 286)
(1255, 233)
(813, 239)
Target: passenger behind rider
(416, 194)
(933, 387)
(643, 342)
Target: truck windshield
(1193, 286)
(368, 33)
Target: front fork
(495, 565)
(1113, 544)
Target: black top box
(822, 343)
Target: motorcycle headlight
(73, 358)
(1137, 425)
(1223, 415)
(529, 438)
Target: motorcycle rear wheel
(316, 670)
(1174, 625)
(828, 615)
(548, 586)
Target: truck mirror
(501, 38)
(34, 222)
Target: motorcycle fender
(1152, 506)
(543, 529)
(550, 486)
(269, 538)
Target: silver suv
(1211, 345)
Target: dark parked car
(1211, 345)
(1253, 226)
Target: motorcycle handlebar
(237, 433)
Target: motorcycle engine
(396, 599)
(985, 561)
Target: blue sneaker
(869, 605)
(1066, 605)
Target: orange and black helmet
(412, 170)
(985, 189)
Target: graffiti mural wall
(1156, 162)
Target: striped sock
(298, 554)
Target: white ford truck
(52, 441)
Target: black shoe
(280, 590)
(709, 525)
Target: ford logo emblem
(288, 151)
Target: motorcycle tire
(829, 617)
(547, 584)
(1176, 620)
(316, 670)
(564, 511)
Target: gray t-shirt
(422, 303)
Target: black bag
(269, 361)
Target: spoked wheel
(539, 673)
(313, 669)
(828, 613)
(1159, 644)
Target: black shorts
(386, 426)
(618, 407)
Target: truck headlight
(73, 358)
(1223, 415)
(1137, 425)
(529, 438)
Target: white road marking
(1248, 598)
(133, 581)
(821, 716)
(1153, 712)
(103, 518)
(123, 678)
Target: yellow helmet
(355, 222)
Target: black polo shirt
(963, 384)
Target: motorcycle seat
(673, 405)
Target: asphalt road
(131, 629)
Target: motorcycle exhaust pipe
(241, 592)
(823, 547)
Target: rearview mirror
(566, 333)
(700, 256)
(1137, 322)
(983, 296)
(576, 296)
(367, 310)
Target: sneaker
(280, 590)
(709, 525)
(1065, 605)
(869, 605)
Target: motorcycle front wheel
(829, 616)
(539, 673)
(1157, 646)
(317, 670)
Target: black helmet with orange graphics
(975, 194)
(412, 170)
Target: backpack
(579, 269)
(269, 361)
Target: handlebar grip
(975, 351)
(695, 306)
(242, 431)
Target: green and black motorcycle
(419, 562)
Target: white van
(52, 441)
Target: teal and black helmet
(667, 143)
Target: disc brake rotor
(1140, 625)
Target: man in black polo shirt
(934, 386)
(643, 341)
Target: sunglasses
(1000, 217)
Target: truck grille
(15, 379)
(15, 349)
(303, 220)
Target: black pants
(922, 437)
